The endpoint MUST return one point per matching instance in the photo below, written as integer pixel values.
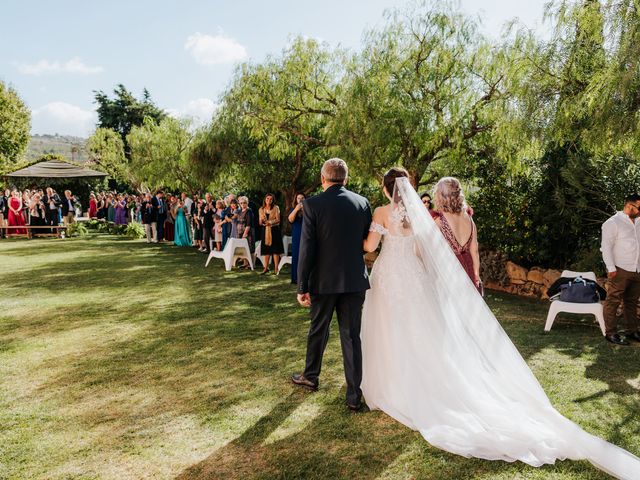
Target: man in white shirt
(621, 254)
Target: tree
(15, 126)
(124, 111)
(426, 89)
(160, 155)
(106, 150)
(272, 127)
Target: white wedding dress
(436, 359)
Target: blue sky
(56, 53)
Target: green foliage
(15, 125)
(124, 111)
(106, 150)
(135, 230)
(161, 153)
(77, 229)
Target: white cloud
(63, 118)
(199, 110)
(73, 66)
(213, 50)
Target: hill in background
(71, 147)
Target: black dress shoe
(616, 339)
(355, 407)
(300, 379)
(635, 336)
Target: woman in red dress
(16, 218)
(93, 206)
(453, 216)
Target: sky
(56, 54)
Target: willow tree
(427, 89)
(106, 150)
(15, 124)
(273, 124)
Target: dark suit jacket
(331, 258)
(65, 206)
(149, 213)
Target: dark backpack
(579, 290)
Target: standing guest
(171, 217)
(4, 211)
(111, 208)
(197, 223)
(26, 200)
(187, 204)
(207, 223)
(244, 225)
(621, 254)
(103, 210)
(150, 219)
(37, 212)
(93, 206)
(271, 237)
(68, 208)
(426, 201)
(161, 208)
(182, 232)
(52, 202)
(217, 229)
(227, 216)
(234, 209)
(121, 210)
(16, 217)
(295, 218)
(455, 222)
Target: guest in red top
(93, 206)
(454, 218)
(16, 217)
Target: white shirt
(621, 243)
(187, 204)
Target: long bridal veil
(494, 407)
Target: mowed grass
(124, 360)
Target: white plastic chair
(234, 249)
(284, 260)
(286, 241)
(257, 254)
(558, 306)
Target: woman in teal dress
(182, 232)
(111, 212)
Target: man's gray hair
(335, 170)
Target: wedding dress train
(436, 359)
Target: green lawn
(120, 360)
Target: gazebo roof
(55, 169)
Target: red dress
(462, 252)
(16, 219)
(93, 208)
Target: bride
(437, 360)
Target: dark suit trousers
(161, 218)
(348, 307)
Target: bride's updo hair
(449, 196)
(389, 179)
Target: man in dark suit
(161, 213)
(332, 275)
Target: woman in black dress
(269, 216)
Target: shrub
(77, 229)
(135, 230)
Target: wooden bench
(58, 229)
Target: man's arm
(609, 231)
(308, 249)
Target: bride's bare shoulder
(381, 214)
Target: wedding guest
(37, 213)
(207, 223)
(187, 204)
(182, 232)
(457, 226)
(26, 199)
(111, 208)
(426, 201)
(269, 215)
(234, 209)
(52, 202)
(16, 217)
(197, 223)
(103, 207)
(161, 207)
(295, 218)
(121, 211)
(93, 206)
(227, 216)
(150, 219)
(621, 254)
(68, 208)
(244, 225)
(170, 220)
(217, 229)
(4, 211)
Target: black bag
(579, 290)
